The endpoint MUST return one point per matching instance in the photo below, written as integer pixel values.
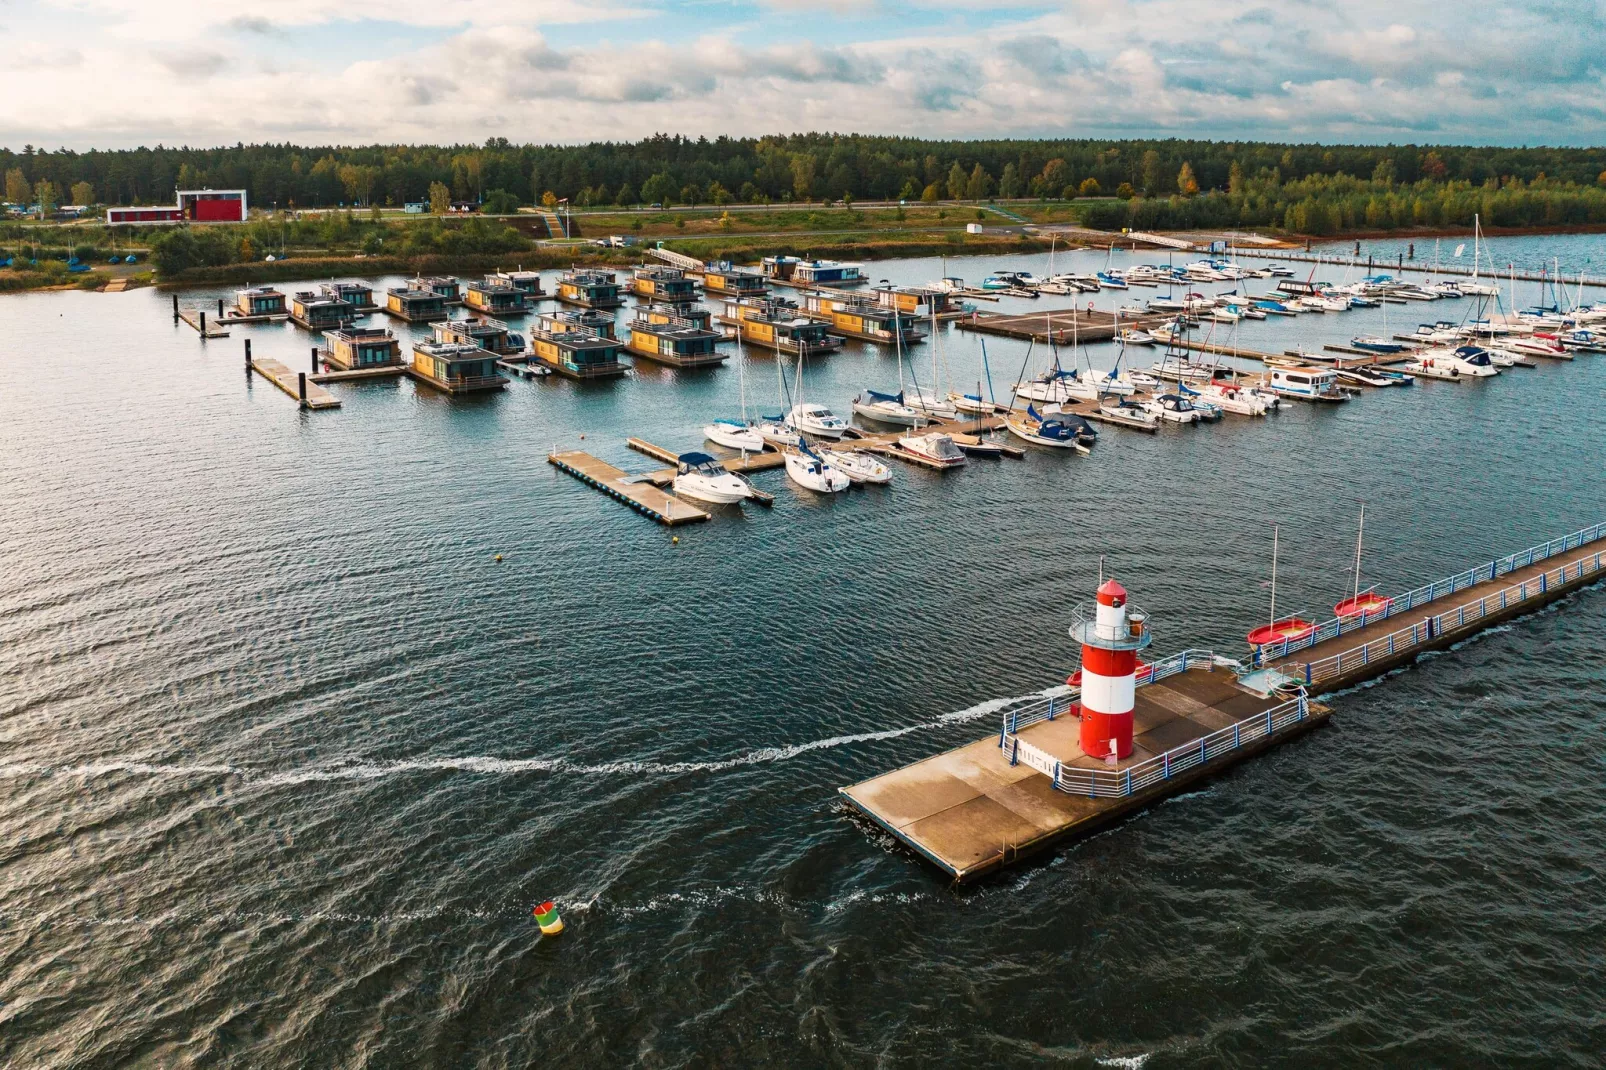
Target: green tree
(17, 189)
(626, 196)
(1152, 175)
(1125, 191)
(659, 189)
(83, 193)
(44, 194)
(911, 191)
(501, 202)
(1009, 182)
(1055, 177)
(719, 195)
(1187, 185)
(980, 184)
(803, 166)
(1235, 179)
(440, 198)
(956, 182)
(931, 194)
(1089, 188)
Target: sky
(87, 74)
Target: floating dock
(643, 497)
(1060, 326)
(975, 809)
(291, 383)
(202, 327)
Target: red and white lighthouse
(1110, 644)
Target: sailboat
(809, 470)
(889, 408)
(1059, 430)
(1287, 629)
(736, 434)
(975, 404)
(858, 467)
(1472, 285)
(777, 430)
(931, 404)
(1358, 604)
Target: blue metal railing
(1336, 627)
(1116, 783)
(1046, 709)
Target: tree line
(797, 167)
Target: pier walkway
(316, 397)
(1059, 325)
(643, 497)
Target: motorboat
(1165, 306)
(1305, 383)
(1172, 408)
(1178, 367)
(887, 409)
(1237, 398)
(1110, 280)
(734, 435)
(1209, 412)
(934, 448)
(817, 420)
(1473, 361)
(1537, 347)
(809, 470)
(1273, 307)
(1134, 337)
(705, 478)
(1428, 367)
(858, 467)
(1144, 381)
(1059, 430)
(1128, 413)
(1373, 344)
(1371, 376)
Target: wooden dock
(202, 327)
(975, 809)
(1061, 326)
(291, 382)
(643, 497)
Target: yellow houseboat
(355, 294)
(527, 282)
(724, 280)
(777, 324)
(447, 286)
(361, 348)
(485, 332)
(589, 289)
(318, 312)
(858, 318)
(259, 303)
(681, 343)
(922, 302)
(666, 285)
(569, 319)
(669, 313)
(578, 353)
(456, 367)
(496, 297)
(415, 305)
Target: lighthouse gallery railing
(1116, 783)
(1046, 709)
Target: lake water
(287, 755)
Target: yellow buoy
(499, 557)
(675, 539)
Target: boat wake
(484, 765)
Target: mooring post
(175, 308)
(220, 308)
(314, 360)
(203, 325)
(248, 358)
(301, 387)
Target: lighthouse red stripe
(1109, 662)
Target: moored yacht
(817, 420)
(809, 470)
(887, 409)
(934, 448)
(706, 479)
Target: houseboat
(528, 282)
(667, 285)
(361, 348)
(447, 286)
(809, 273)
(578, 353)
(666, 313)
(487, 333)
(721, 279)
(777, 324)
(922, 302)
(316, 312)
(261, 303)
(355, 294)
(589, 289)
(1306, 383)
(681, 343)
(414, 305)
(456, 367)
(569, 319)
(496, 297)
(855, 318)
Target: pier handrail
(1047, 708)
(1432, 627)
(1116, 783)
(1402, 603)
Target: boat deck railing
(1437, 589)
(1116, 783)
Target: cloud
(572, 70)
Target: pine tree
(956, 182)
(980, 184)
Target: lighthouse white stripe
(1108, 694)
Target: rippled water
(287, 755)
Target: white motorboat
(1537, 347)
(1178, 367)
(1144, 381)
(809, 470)
(705, 478)
(1134, 337)
(1129, 413)
(1236, 398)
(858, 467)
(1058, 430)
(1165, 306)
(933, 447)
(1432, 368)
(817, 420)
(734, 435)
(1172, 408)
(1472, 361)
(886, 409)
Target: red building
(194, 206)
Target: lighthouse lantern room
(1111, 636)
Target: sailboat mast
(741, 371)
(1360, 532)
(1274, 575)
